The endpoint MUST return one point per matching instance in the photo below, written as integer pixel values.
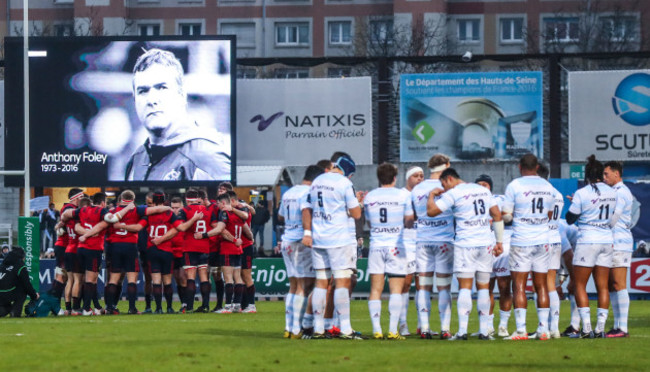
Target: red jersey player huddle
(183, 243)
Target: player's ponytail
(594, 172)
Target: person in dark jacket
(14, 283)
(177, 147)
(260, 218)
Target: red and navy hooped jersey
(132, 217)
(201, 226)
(158, 225)
(89, 217)
(235, 226)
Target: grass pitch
(253, 342)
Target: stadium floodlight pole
(27, 193)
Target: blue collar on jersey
(346, 164)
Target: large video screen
(123, 111)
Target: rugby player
(248, 252)
(297, 257)
(331, 199)
(178, 240)
(434, 251)
(569, 234)
(529, 205)
(474, 243)
(623, 246)
(414, 175)
(388, 211)
(592, 208)
(500, 275)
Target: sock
(190, 291)
(288, 311)
(490, 322)
(57, 289)
(405, 309)
(424, 308)
(95, 297)
(394, 311)
(181, 293)
(239, 292)
(623, 309)
(329, 323)
(87, 295)
(307, 320)
(147, 297)
(244, 297)
(342, 309)
(131, 295)
(520, 319)
(205, 294)
(601, 319)
(613, 298)
(68, 305)
(219, 288)
(110, 292)
(76, 303)
(318, 298)
(299, 306)
(542, 318)
(118, 295)
(444, 309)
(416, 301)
(585, 316)
(464, 307)
(575, 314)
(483, 307)
(168, 290)
(554, 301)
(250, 295)
(504, 317)
(157, 296)
(229, 290)
(374, 307)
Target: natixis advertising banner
(496, 115)
(609, 115)
(300, 121)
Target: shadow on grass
(237, 333)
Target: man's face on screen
(159, 101)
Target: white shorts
(435, 257)
(501, 264)
(555, 256)
(386, 260)
(622, 259)
(590, 255)
(529, 258)
(297, 259)
(411, 266)
(339, 258)
(473, 259)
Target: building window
(149, 30)
(381, 31)
(340, 32)
(291, 34)
(63, 30)
(291, 73)
(512, 30)
(246, 73)
(245, 33)
(562, 29)
(619, 28)
(189, 29)
(339, 72)
(468, 30)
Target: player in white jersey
(297, 257)
(555, 257)
(434, 252)
(623, 244)
(414, 175)
(472, 206)
(591, 208)
(569, 235)
(325, 220)
(388, 211)
(500, 272)
(529, 205)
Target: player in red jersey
(61, 281)
(248, 251)
(72, 259)
(91, 243)
(178, 242)
(196, 219)
(232, 221)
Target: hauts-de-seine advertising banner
(609, 115)
(495, 115)
(301, 121)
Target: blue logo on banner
(632, 99)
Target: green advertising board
(577, 171)
(29, 238)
